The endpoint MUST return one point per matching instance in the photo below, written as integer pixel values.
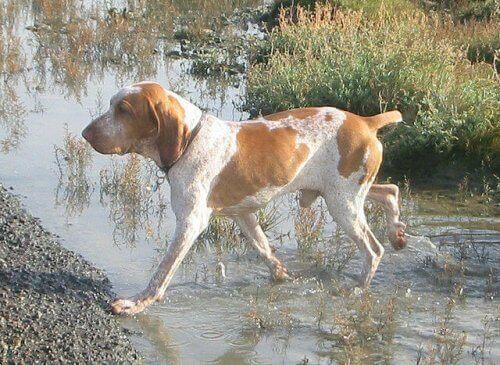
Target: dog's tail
(381, 120)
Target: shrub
(466, 10)
(397, 60)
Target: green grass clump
(466, 10)
(388, 60)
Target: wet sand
(53, 303)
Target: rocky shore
(53, 303)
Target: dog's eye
(122, 107)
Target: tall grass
(388, 60)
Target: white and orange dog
(235, 168)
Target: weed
(363, 327)
(482, 352)
(332, 252)
(223, 234)
(309, 228)
(266, 314)
(368, 64)
(448, 344)
(269, 218)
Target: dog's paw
(126, 307)
(280, 273)
(397, 236)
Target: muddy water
(62, 70)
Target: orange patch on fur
(356, 140)
(264, 158)
(301, 113)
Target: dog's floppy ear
(173, 133)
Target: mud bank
(53, 303)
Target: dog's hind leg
(351, 218)
(388, 196)
(253, 232)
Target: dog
(233, 169)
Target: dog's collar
(192, 136)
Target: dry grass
(364, 325)
(330, 252)
(448, 343)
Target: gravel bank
(53, 303)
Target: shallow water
(57, 75)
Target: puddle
(61, 61)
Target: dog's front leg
(187, 230)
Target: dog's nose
(87, 134)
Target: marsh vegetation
(441, 73)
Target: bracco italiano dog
(235, 168)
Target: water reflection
(12, 117)
(125, 189)
(70, 44)
(159, 335)
(74, 187)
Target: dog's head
(141, 117)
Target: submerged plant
(448, 343)
(329, 251)
(363, 326)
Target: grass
(331, 252)
(466, 10)
(406, 60)
(448, 343)
(364, 326)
